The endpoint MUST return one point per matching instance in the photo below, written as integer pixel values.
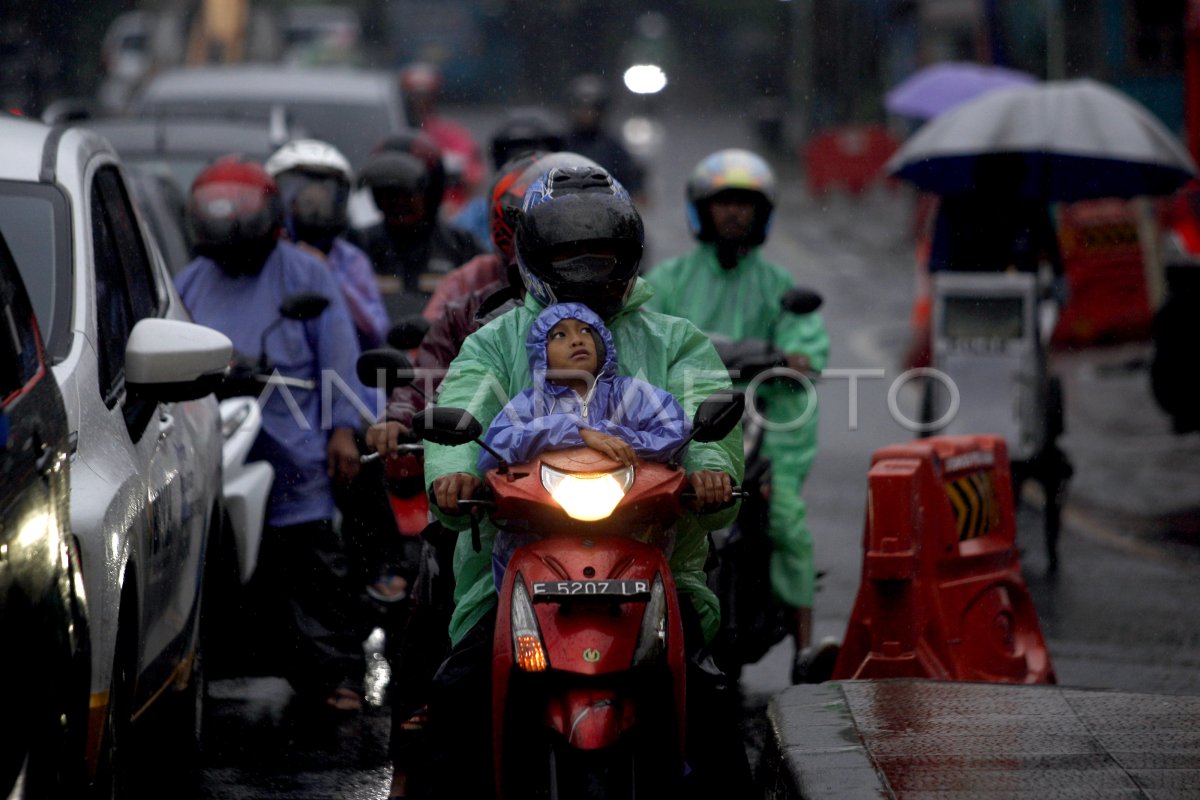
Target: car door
(169, 545)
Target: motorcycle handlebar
(401, 448)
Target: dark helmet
(579, 239)
(736, 172)
(236, 214)
(524, 130)
(397, 182)
(508, 193)
(417, 143)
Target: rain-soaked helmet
(314, 183)
(579, 239)
(508, 193)
(236, 214)
(524, 130)
(416, 142)
(733, 173)
(398, 178)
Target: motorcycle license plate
(555, 591)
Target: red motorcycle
(588, 665)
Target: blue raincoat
(296, 422)
(548, 416)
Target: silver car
(136, 377)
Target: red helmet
(236, 214)
(508, 192)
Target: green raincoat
(664, 351)
(743, 303)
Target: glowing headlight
(587, 496)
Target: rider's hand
(384, 437)
(615, 448)
(798, 362)
(342, 455)
(449, 489)
(713, 487)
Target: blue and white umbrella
(1059, 141)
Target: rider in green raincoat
(726, 287)
(664, 351)
(580, 240)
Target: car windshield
(32, 220)
(352, 128)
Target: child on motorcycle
(577, 399)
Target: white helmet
(311, 155)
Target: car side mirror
(170, 360)
(384, 368)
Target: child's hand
(611, 446)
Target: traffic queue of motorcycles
(584, 585)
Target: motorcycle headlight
(587, 496)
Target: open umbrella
(1056, 141)
(933, 90)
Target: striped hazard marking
(973, 498)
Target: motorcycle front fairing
(588, 606)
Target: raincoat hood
(539, 333)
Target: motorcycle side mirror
(799, 300)
(303, 306)
(446, 425)
(408, 332)
(384, 368)
(300, 307)
(452, 426)
(715, 418)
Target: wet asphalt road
(1120, 614)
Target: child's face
(570, 346)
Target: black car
(45, 666)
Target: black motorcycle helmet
(579, 239)
(236, 214)
(398, 180)
(525, 130)
(416, 142)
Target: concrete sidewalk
(919, 740)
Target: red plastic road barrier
(942, 594)
(851, 157)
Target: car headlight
(587, 496)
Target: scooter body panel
(591, 693)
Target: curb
(813, 749)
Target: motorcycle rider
(580, 239)
(588, 99)
(410, 248)
(421, 84)
(243, 271)
(523, 130)
(314, 181)
(726, 287)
